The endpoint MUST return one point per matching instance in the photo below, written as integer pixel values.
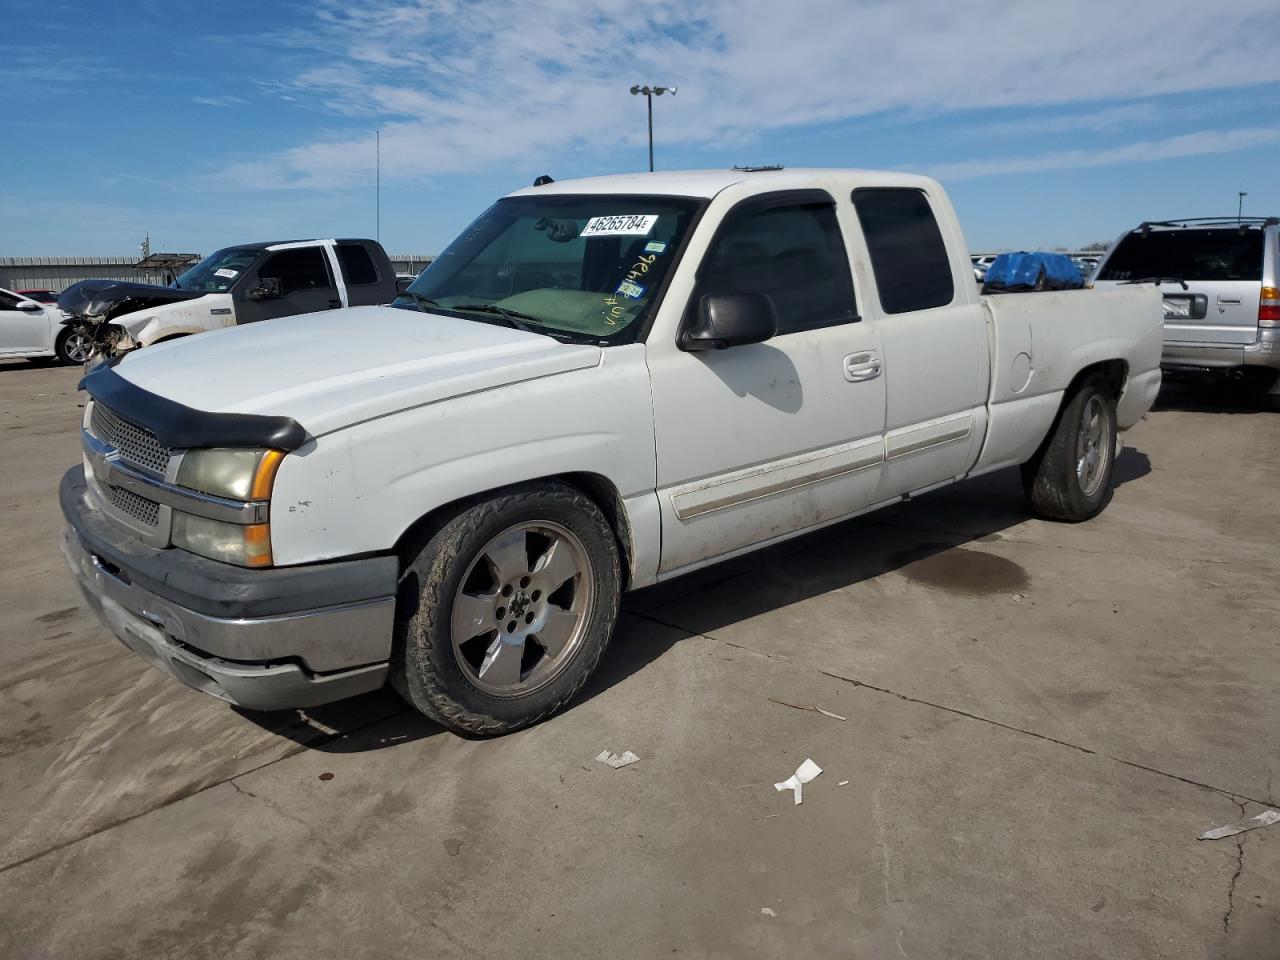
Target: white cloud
(222, 100)
(1201, 143)
(457, 86)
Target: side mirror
(402, 283)
(730, 320)
(268, 289)
(30, 306)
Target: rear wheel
(73, 346)
(506, 609)
(1070, 478)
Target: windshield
(218, 271)
(1227, 254)
(582, 267)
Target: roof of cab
(707, 183)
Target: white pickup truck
(599, 385)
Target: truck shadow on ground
(1217, 396)
(931, 535)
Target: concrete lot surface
(1041, 720)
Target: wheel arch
(1115, 372)
(596, 487)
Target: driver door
(757, 441)
(306, 285)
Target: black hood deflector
(119, 297)
(181, 427)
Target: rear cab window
(357, 265)
(908, 254)
(1189, 254)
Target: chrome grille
(138, 447)
(127, 502)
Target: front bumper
(260, 639)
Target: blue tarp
(1033, 271)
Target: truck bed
(1039, 341)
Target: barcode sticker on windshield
(627, 225)
(224, 272)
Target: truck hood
(105, 299)
(332, 369)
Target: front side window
(908, 256)
(792, 253)
(8, 301)
(299, 269)
(218, 271)
(1221, 254)
(580, 267)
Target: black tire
(1051, 478)
(71, 341)
(428, 671)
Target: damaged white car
(237, 285)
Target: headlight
(234, 475)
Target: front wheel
(506, 609)
(73, 346)
(1070, 478)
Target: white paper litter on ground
(617, 760)
(804, 773)
(1264, 819)
(768, 911)
(842, 783)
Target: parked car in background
(40, 296)
(236, 285)
(1220, 283)
(1086, 265)
(981, 265)
(601, 384)
(35, 330)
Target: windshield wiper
(419, 298)
(1159, 280)
(513, 317)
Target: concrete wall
(58, 273)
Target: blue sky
(215, 124)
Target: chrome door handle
(861, 366)
(1229, 300)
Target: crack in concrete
(1231, 795)
(959, 713)
(1235, 877)
(195, 792)
(288, 815)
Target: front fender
(357, 490)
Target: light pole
(649, 94)
(1241, 194)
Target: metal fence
(58, 273)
